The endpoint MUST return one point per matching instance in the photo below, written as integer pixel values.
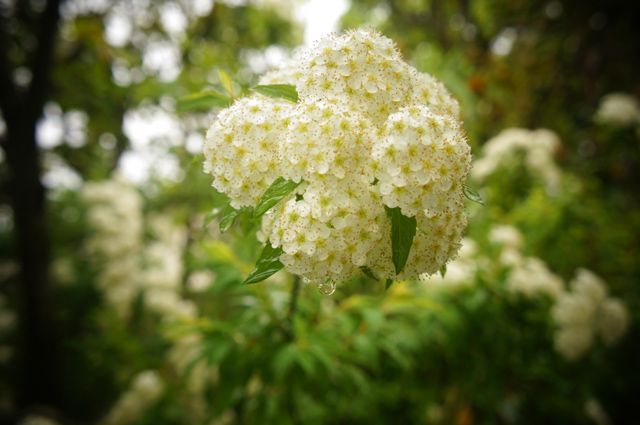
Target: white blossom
(114, 216)
(162, 277)
(533, 277)
(145, 390)
(182, 355)
(368, 132)
(619, 109)
(537, 147)
(506, 236)
(421, 161)
(573, 341)
(594, 411)
(585, 313)
(613, 321)
(125, 265)
(526, 275)
(200, 280)
(242, 148)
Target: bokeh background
(121, 301)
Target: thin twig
(293, 306)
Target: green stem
(293, 305)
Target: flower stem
(293, 305)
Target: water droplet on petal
(327, 288)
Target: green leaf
(274, 194)
(388, 283)
(227, 217)
(403, 229)
(367, 271)
(268, 264)
(472, 194)
(280, 91)
(203, 101)
(307, 362)
(226, 82)
(284, 360)
(443, 270)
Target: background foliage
(278, 351)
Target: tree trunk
(38, 361)
(38, 353)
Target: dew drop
(327, 288)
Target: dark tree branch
(42, 61)
(38, 361)
(8, 98)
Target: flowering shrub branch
(353, 160)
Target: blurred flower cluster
(127, 265)
(581, 312)
(618, 109)
(115, 218)
(146, 387)
(587, 312)
(162, 277)
(518, 147)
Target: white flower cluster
(242, 148)
(585, 313)
(532, 277)
(368, 131)
(594, 410)
(618, 109)
(183, 353)
(528, 276)
(162, 277)
(509, 239)
(506, 236)
(366, 70)
(114, 215)
(200, 280)
(537, 147)
(185, 358)
(126, 265)
(145, 390)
